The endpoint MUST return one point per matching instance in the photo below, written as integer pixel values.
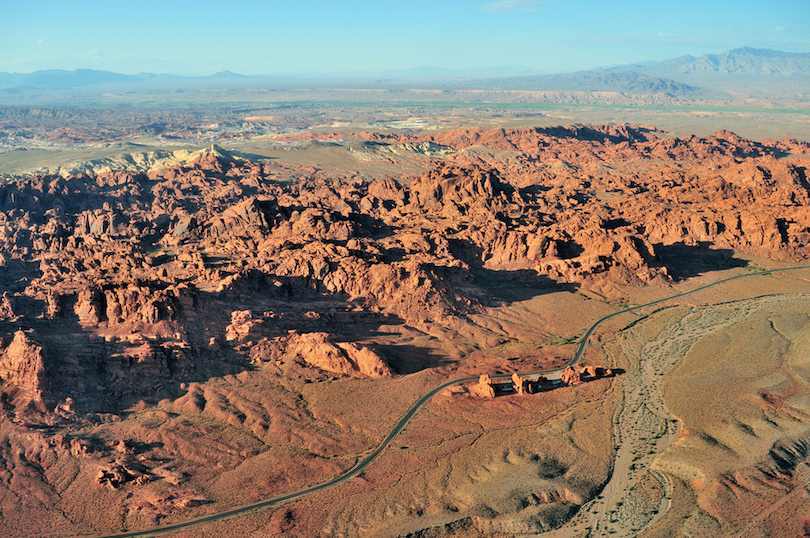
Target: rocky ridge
(134, 257)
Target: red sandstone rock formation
(243, 326)
(316, 350)
(118, 474)
(485, 387)
(23, 365)
(128, 304)
(522, 385)
(6, 311)
(589, 370)
(570, 376)
(156, 255)
(139, 284)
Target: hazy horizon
(317, 38)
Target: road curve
(397, 429)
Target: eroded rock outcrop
(6, 310)
(131, 303)
(116, 475)
(570, 376)
(318, 351)
(521, 384)
(590, 370)
(243, 326)
(485, 388)
(154, 253)
(23, 364)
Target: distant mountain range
(57, 79)
(597, 80)
(60, 79)
(675, 78)
(743, 61)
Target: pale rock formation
(485, 387)
(317, 350)
(6, 311)
(570, 376)
(23, 364)
(521, 384)
(588, 370)
(242, 325)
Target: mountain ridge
(593, 80)
(740, 61)
(685, 77)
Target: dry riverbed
(643, 490)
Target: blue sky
(313, 36)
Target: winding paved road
(397, 429)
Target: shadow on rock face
(505, 285)
(687, 261)
(408, 359)
(519, 285)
